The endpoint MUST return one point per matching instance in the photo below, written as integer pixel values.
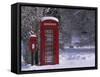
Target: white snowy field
(69, 58)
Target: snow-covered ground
(68, 58)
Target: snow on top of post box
(49, 18)
(33, 35)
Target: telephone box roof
(49, 18)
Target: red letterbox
(32, 47)
(32, 43)
(49, 38)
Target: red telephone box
(49, 38)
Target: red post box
(49, 41)
(32, 47)
(32, 43)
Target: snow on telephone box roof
(49, 18)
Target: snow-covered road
(69, 58)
